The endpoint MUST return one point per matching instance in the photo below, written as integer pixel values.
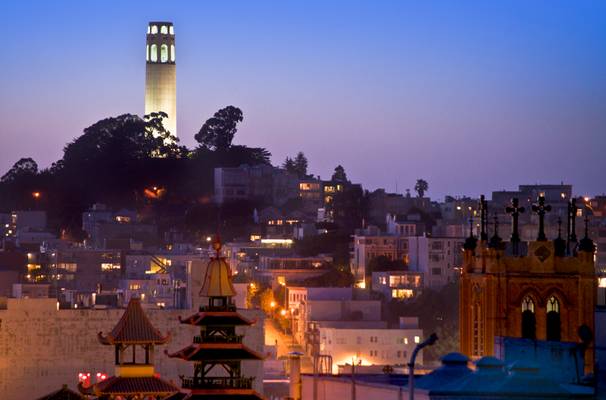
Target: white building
(369, 346)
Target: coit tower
(160, 73)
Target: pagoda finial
(217, 245)
(540, 208)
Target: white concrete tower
(161, 73)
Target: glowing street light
(272, 304)
(36, 195)
(283, 312)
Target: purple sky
(471, 96)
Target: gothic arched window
(529, 321)
(553, 319)
(172, 53)
(164, 30)
(163, 53)
(154, 29)
(154, 53)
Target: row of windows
(164, 30)
(153, 54)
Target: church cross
(541, 209)
(515, 210)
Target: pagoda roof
(206, 318)
(134, 328)
(217, 280)
(117, 385)
(198, 394)
(62, 394)
(216, 352)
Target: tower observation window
(163, 53)
(164, 30)
(154, 29)
(154, 53)
(172, 53)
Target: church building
(541, 290)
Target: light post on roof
(433, 338)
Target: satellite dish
(585, 334)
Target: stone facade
(42, 348)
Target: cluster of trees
(119, 160)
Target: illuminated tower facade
(161, 73)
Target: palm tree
(421, 187)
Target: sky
(472, 96)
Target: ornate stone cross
(515, 210)
(540, 208)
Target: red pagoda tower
(135, 377)
(218, 352)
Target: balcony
(218, 382)
(218, 339)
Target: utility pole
(433, 338)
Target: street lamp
(433, 338)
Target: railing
(218, 339)
(217, 382)
(228, 307)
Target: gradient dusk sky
(471, 96)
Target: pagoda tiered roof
(209, 316)
(216, 352)
(122, 386)
(134, 328)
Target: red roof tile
(148, 385)
(62, 394)
(134, 327)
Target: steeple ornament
(559, 244)
(495, 240)
(515, 210)
(586, 244)
(540, 208)
(483, 220)
(471, 242)
(571, 226)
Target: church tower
(161, 73)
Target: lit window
(602, 282)
(171, 30)
(172, 52)
(553, 305)
(163, 53)
(154, 53)
(148, 31)
(109, 266)
(146, 52)
(401, 293)
(154, 29)
(164, 30)
(417, 339)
